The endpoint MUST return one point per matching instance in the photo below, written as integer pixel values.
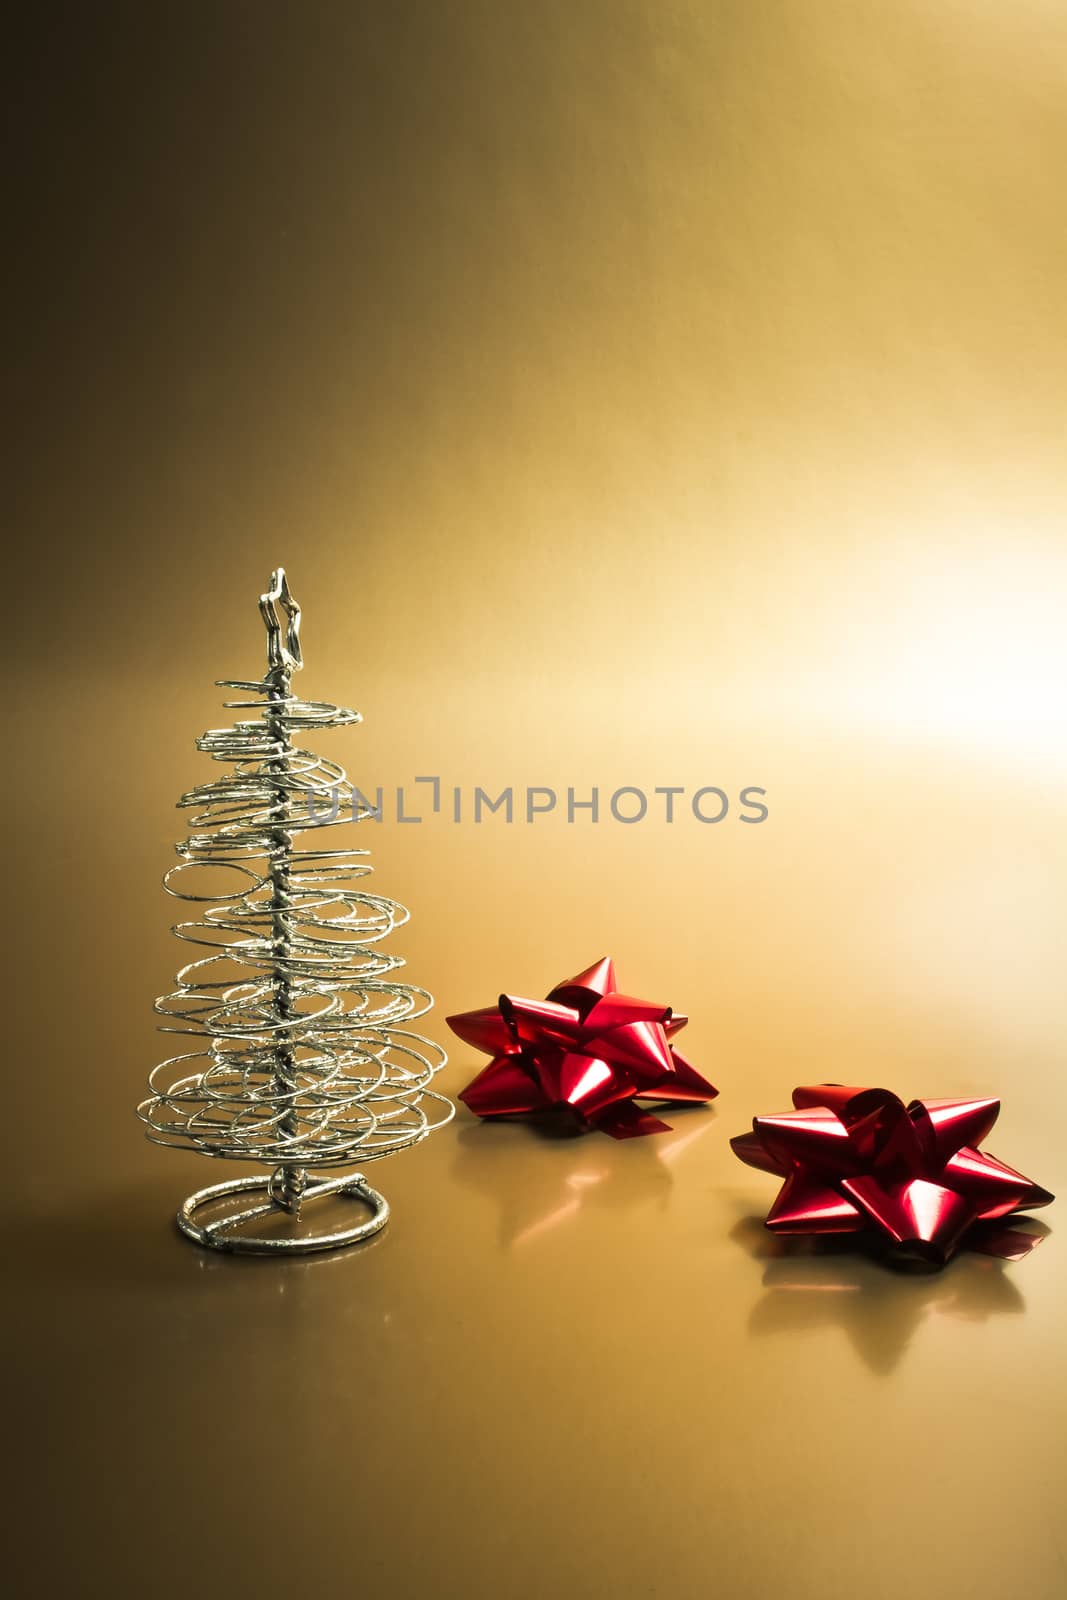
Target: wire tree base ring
(225, 1231)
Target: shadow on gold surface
(573, 1171)
(127, 1238)
(811, 1284)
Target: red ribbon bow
(585, 1047)
(857, 1160)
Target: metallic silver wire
(221, 1232)
(305, 1060)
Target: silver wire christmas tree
(305, 1066)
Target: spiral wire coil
(306, 1062)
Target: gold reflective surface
(639, 395)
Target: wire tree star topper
(304, 1065)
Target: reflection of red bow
(587, 1047)
(859, 1159)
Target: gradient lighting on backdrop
(637, 393)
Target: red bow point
(860, 1161)
(585, 1047)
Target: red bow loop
(944, 1127)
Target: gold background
(637, 392)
